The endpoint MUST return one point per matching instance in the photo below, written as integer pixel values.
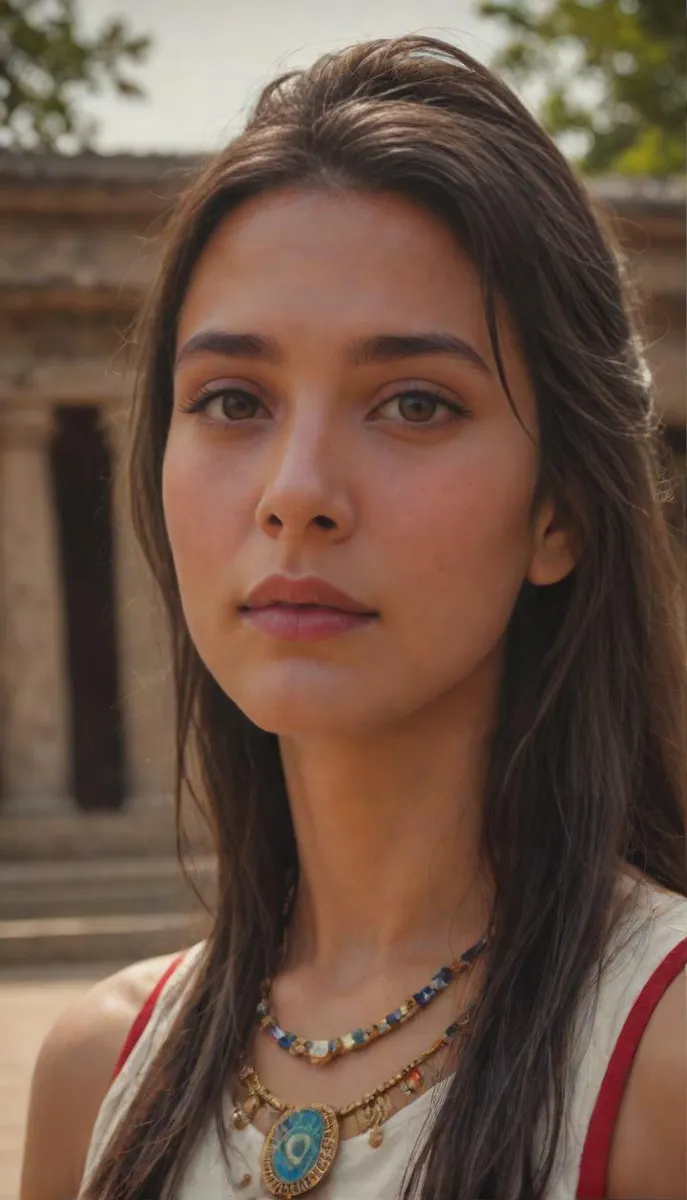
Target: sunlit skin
(425, 478)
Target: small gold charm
(250, 1106)
(244, 1182)
(373, 1117)
(239, 1119)
(376, 1137)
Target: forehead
(334, 248)
(331, 265)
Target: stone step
(70, 940)
(32, 890)
(132, 833)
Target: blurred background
(105, 109)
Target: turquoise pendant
(299, 1150)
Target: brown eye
(238, 406)
(418, 406)
(225, 405)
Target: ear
(554, 548)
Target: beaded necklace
(302, 1145)
(319, 1053)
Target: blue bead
(394, 1018)
(445, 975)
(419, 998)
(286, 1040)
(359, 1037)
(474, 951)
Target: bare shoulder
(72, 1074)
(649, 1150)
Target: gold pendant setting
(300, 1150)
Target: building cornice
(93, 184)
(146, 183)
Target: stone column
(144, 660)
(34, 689)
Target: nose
(305, 494)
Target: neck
(388, 829)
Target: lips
(303, 610)
(305, 591)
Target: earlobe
(554, 553)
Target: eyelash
(454, 407)
(207, 395)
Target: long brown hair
(586, 769)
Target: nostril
(273, 521)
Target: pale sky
(210, 57)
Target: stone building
(85, 707)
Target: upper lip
(304, 589)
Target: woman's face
(338, 416)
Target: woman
(394, 465)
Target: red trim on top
(143, 1016)
(597, 1147)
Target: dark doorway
(82, 478)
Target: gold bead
(321, 1060)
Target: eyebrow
(384, 347)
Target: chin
(297, 698)
(297, 712)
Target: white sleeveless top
(653, 941)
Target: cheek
(202, 507)
(463, 547)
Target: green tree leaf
(630, 56)
(47, 64)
